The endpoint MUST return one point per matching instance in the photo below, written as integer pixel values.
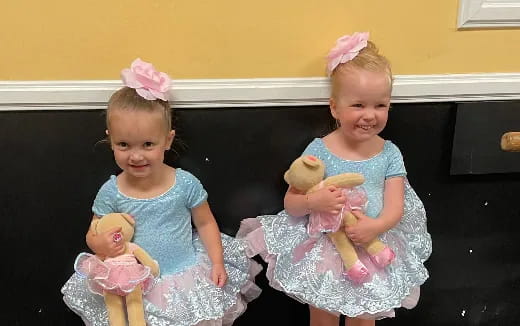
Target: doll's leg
(320, 317)
(374, 246)
(134, 307)
(345, 248)
(359, 322)
(115, 308)
(380, 254)
(354, 268)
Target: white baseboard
(256, 92)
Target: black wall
(51, 168)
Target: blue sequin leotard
(184, 293)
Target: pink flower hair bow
(347, 48)
(148, 82)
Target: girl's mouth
(366, 127)
(138, 166)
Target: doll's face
(110, 221)
(303, 176)
(128, 231)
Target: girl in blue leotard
(206, 278)
(361, 82)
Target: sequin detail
(185, 298)
(316, 278)
(184, 293)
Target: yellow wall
(94, 39)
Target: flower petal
(347, 48)
(148, 82)
(159, 95)
(146, 94)
(128, 78)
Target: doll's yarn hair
(127, 98)
(369, 59)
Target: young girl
(361, 89)
(205, 277)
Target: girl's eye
(382, 106)
(357, 105)
(122, 144)
(148, 144)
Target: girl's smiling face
(361, 103)
(138, 139)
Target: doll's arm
(344, 180)
(208, 230)
(144, 258)
(102, 244)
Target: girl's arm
(367, 228)
(393, 204)
(210, 235)
(327, 200)
(296, 202)
(103, 244)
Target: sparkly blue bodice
(386, 164)
(163, 223)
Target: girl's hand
(105, 244)
(366, 229)
(326, 200)
(218, 275)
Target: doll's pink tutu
(356, 198)
(119, 275)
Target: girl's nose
(136, 156)
(369, 114)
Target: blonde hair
(127, 99)
(367, 59)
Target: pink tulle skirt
(186, 297)
(310, 270)
(120, 275)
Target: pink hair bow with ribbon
(148, 82)
(347, 48)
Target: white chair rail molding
(488, 14)
(256, 92)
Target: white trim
(488, 13)
(211, 93)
